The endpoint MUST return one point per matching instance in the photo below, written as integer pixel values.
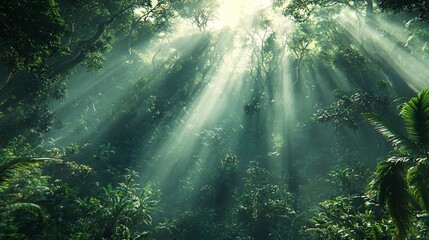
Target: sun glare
(231, 13)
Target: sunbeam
(213, 103)
(391, 48)
(234, 13)
(214, 119)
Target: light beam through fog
(209, 108)
(234, 13)
(225, 104)
(389, 49)
(214, 119)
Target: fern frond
(29, 207)
(396, 138)
(9, 166)
(415, 114)
(393, 192)
(35, 209)
(418, 180)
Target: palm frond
(395, 137)
(418, 180)
(28, 207)
(415, 114)
(393, 192)
(9, 166)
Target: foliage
(60, 199)
(152, 83)
(30, 31)
(121, 212)
(353, 217)
(418, 36)
(15, 157)
(260, 209)
(349, 180)
(299, 44)
(20, 217)
(117, 212)
(202, 208)
(195, 224)
(419, 6)
(347, 110)
(8, 168)
(393, 193)
(301, 11)
(267, 50)
(43, 41)
(200, 12)
(263, 207)
(401, 179)
(15, 161)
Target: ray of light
(94, 97)
(206, 110)
(389, 49)
(216, 106)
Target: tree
(200, 12)
(121, 212)
(302, 10)
(419, 6)
(299, 44)
(268, 49)
(14, 160)
(265, 207)
(43, 41)
(403, 179)
(348, 217)
(28, 38)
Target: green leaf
(9, 166)
(415, 114)
(393, 192)
(29, 207)
(396, 138)
(418, 180)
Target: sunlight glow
(214, 103)
(390, 49)
(231, 13)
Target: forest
(214, 119)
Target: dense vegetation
(161, 119)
